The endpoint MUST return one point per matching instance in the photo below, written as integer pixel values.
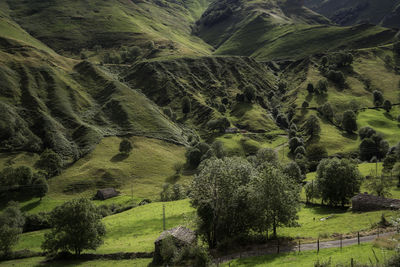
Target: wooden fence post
(358, 238)
(278, 246)
(299, 246)
(318, 245)
(341, 242)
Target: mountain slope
(77, 25)
(280, 30)
(383, 12)
(47, 100)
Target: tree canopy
(76, 226)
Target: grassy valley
(216, 115)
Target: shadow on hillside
(351, 136)
(30, 206)
(119, 157)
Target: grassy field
(39, 261)
(135, 230)
(142, 173)
(131, 231)
(362, 254)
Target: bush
(300, 150)
(35, 222)
(186, 105)
(322, 86)
(125, 146)
(310, 88)
(327, 111)
(366, 132)
(294, 143)
(50, 162)
(315, 153)
(220, 124)
(337, 77)
(387, 105)
(305, 104)
(312, 126)
(193, 156)
(250, 93)
(378, 98)
(349, 121)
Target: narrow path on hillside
(303, 247)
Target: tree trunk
(274, 228)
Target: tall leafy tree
(338, 180)
(76, 226)
(220, 194)
(349, 121)
(312, 126)
(276, 198)
(186, 105)
(11, 223)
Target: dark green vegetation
(149, 96)
(342, 12)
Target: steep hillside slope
(212, 84)
(77, 25)
(280, 30)
(371, 70)
(49, 101)
(379, 12)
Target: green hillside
(76, 25)
(385, 12)
(269, 30)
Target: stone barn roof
(180, 233)
(367, 202)
(106, 193)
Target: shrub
(305, 104)
(327, 111)
(193, 156)
(50, 162)
(294, 143)
(300, 150)
(125, 146)
(322, 86)
(310, 88)
(378, 98)
(366, 132)
(186, 105)
(315, 153)
(337, 77)
(349, 121)
(35, 222)
(250, 93)
(312, 126)
(387, 105)
(220, 124)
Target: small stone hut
(106, 193)
(182, 236)
(366, 202)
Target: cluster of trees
(219, 124)
(379, 101)
(234, 196)
(22, 181)
(126, 55)
(200, 151)
(372, 144)
(320, 88)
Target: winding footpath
(303, 247)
